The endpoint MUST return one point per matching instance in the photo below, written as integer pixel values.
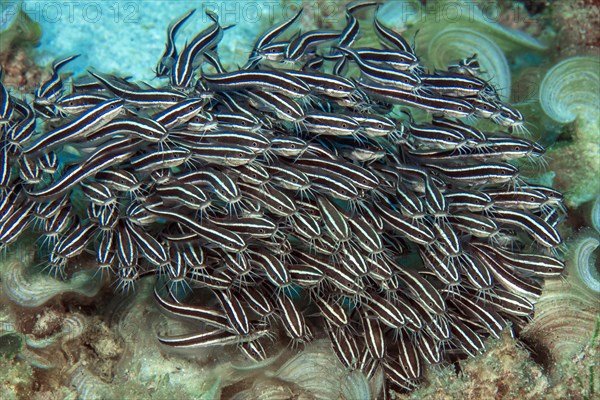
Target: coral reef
(576, 23)
(77, 339)
(570, 93)
(505, 371)
(18, 33)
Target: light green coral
(455, 43)
(571, 89)
(447, 31)
(435, 16)
(505, 370)
(32, 289)
(570, 92)
(16, 378)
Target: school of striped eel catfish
(298, 202)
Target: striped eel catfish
(407, 242)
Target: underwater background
(82, 338)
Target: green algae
(17, 28)
(11, 344)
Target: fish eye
(173, 98)
(460, 108)
(344, 125)
(379, 126)
(517, 148)
(470, 86)
(483, 228)
(254, 144)
(191, 108)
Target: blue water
(127, 37)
